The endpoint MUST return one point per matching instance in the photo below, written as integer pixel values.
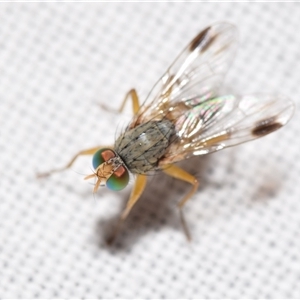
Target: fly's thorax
(142, 147)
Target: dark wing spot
(199, 39)
(265, 127)
(208, 43)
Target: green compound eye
(101, 156)
(118, 180)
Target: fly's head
(109, 170)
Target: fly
(183, 116)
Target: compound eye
(118, 180)
(102, 156)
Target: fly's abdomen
(141, 147)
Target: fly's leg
(179, 173)
(135, 101)
(135, 195)
(90, 151)
(135, 107)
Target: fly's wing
(197, 71)
(226, 121)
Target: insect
(183, 116)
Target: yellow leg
(179, 173)
(90, 151)
(135, 101)
(135, 195)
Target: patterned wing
(197, 71)
(226, 121)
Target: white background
(58, 63)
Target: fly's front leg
(90, 151)
(135, 195)
(135, 101)
(179, 173)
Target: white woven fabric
(59, 62)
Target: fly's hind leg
(179, 173)
(135, 195)
(90, 151)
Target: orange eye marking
(120, 171)
(108, 154)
